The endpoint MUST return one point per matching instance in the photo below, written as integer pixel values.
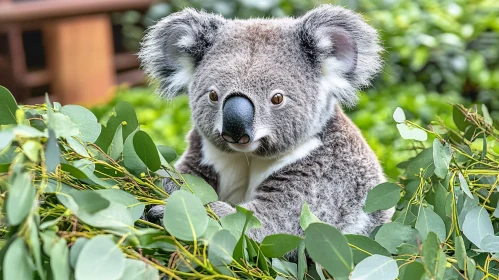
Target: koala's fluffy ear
(175, 45)
(344, 45)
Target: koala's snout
(238, 113)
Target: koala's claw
(155, 214)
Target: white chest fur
(239, 174)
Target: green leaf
(78, 147)
(285, 267)
(168, 153)
(20, 197)
(421, 164)
(412, 133)
(75, 250)
(383, 196)
(441, 158)
(185, 216)
(235, 223)
(52, 153)
(464, 185)
(86, 122)
(327, 246)
(221, 248)
(391, 235)
(16, 263)
(100, 259)
(140, 153)
(62, 125)
(59, 260)
(116, 146)
(124, 115)
(412, 271)
(8, 107)
(407, 249)
(433, 258)
(6, 137)
(399, 115)
(139, 270)
(486, 115)
(307, 217)
(302, 261)
(477, 225)
(36, 248)
(31, 149)
(363, 247)
(429, 221)
(49, 238)
(490, 243)
(460, 251)
(376, 267)
(276, 245)
(126, 199)
(90, 201)
(200, 188)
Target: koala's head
(262, 86)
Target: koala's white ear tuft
(344, 46)
(174, 46)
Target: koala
(268, 130)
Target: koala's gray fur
(306, 149)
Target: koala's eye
(213, 96)
(277, 98)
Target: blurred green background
(437, 53)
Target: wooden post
(80, 58)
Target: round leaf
(100, 259)
(129, 201)
(75, 250)
(139, 270)
(399, 115)
(221, 248)
(477, 225)
(201, 189)
(140, 153)
(59, 260)
(327, 246)
(412, 133)
(168, 153)
(429, 221)
(376, 267)
(87, 123)
(382, 197)
(276, 245)
(185, 216)
(307, 217)
(391, 235)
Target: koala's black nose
(238, 114)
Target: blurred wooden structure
(79, 63)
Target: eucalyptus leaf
(168, 153)
(90, 201)
(307, 217)
(221, 248)
(100, 259)
(86, 122)
(126, 199)
(20, 197)
(200, 188)
(276, 245)
(412, 271)
(52, 152)
(140, 153)
(302, 261)
(376, 267)
(16, 263)
(433, 258)
(412, 133)
(428, 221)
(464, 185)
(460, 251)
(327, 246)
(477, 225)
(363, 247)
(441, 158)
(185, 216)
(399, 115)
(116, 147)
(235, 223)
(139, 270)
(75, 250)
(77, 146)
(490, 243)
(382, 197)
(8, 107)
(391, 235)
(59, 260)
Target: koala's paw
(155, 214)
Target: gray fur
(317, 61)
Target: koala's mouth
(245, 148)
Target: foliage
(74, 199)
